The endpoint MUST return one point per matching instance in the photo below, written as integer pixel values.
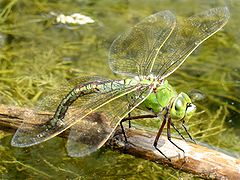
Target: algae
(38, 56)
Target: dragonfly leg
(129, 121)
(123, 132)
(139, 117)
(175, 128)
(129, 108)
(129, 118)
(158, 136)
(169, 135)
(183, 125)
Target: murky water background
(37, 55)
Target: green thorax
(159, 98)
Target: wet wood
(198, 160)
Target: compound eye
(179, 104)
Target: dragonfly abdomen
(70, 98)
(85, 89)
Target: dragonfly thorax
(152, 80)
(164, 96)
(160, 97)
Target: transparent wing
(134, 52)
(186, 37)
(93, 131)
(52, 100)
(37, 131)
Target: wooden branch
(199, 160)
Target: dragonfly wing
(28, 133)
(37, 131)
(93, 131)
(133, 53)
(186, 37)
(86, 135)
(51, 101)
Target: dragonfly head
(182, 107)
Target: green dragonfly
(148, 53)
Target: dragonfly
(147, 54)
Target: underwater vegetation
(38, 55)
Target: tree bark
(198, 160)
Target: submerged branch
(199, 160)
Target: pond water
(40, 51)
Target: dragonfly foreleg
(183, 125)
(175, 128)
(169, 122)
